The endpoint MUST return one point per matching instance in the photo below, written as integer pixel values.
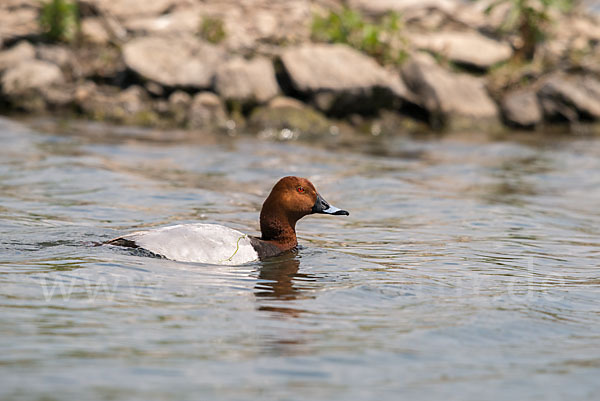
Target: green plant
(212, 29)
(529, 19)
(380, 39)
(59, 20)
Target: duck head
(291, 199)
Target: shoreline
(156, 67)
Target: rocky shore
(255, 65)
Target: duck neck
(278, 229)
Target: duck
(289, 200)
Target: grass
(380, 39)
(212, 29)
(530, 21)
(59, 20)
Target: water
(467, 270)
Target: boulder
(103, 63)
(94, 31)
(448, 97)
(521, 108)
(247, 81)
(173, 62)
(178, 107)
(258, 26)
(18, 22)
(206, 111)
(570, 97)
(101, 28)
(382, 7)
(474, 14)
(469, 48)
(341, 80)
(105, 103)
(281, 102)
(283, 113)
(62, 56)
(30, 76)
(178, 22)
(128, 8)
(17, 54)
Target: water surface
(467, 270)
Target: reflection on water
(280, 281)
(468, 268)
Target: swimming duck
(290, 199)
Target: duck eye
(300, 190)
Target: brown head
(291, 199)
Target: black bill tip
(322, 206)
(341, 213)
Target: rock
(278, 116)
(247, 81)
(29, 76)
(448, 97)
(570, 97)
(281, 102)
(585, 26)
(93, 31)
(22, 51)
(100, 63)
(173, 62)
(59, 96)
(470, 48)
(61, 56)
(104, 103)
(206, 111)
(102, 28)
(129, 8)
(259, 26)
(341, 80)
(381, 7)
(178, 106)
(184, 21)
(473, 15)
(18, 22)
(521, 108)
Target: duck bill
(323, 207)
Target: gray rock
(288, 114)
(18, 21)
(473, 14)
(59, 55)
(179, 22)
(173, 62)
(280, 102)
(448, 96)
(341, 80)
(30, 76)
(178, 107)
(469, 48)
(570, 97)
(22, 51)
(381, 7)
(59, 96)
(129, 8)
(259, 26)
(131, 106)
(206, 111)
(94, 31)
(104, 63)
(521, 108)
(102, 28)
(247, 81)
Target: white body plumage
(200, 243)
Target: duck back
(199, 243)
